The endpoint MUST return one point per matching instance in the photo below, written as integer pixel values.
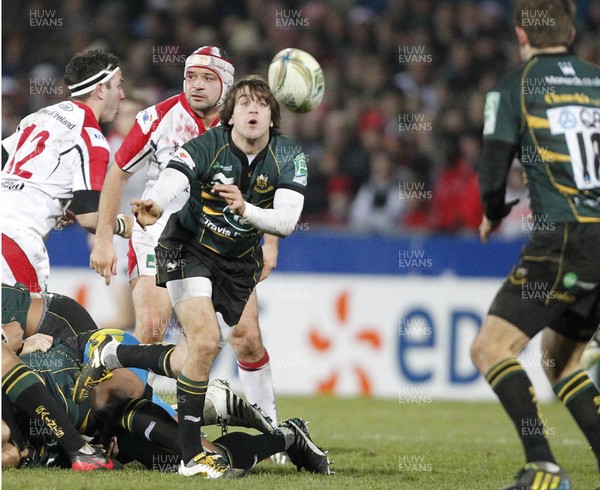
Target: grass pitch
(376, 444)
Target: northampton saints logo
(262, 184)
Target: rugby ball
(296, 80)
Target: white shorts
(24, 259)
(142, 260)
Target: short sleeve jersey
(54, 153)
(213, 158)
(549, 109)
(158, 132)
(15, 304)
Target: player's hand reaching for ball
(146, 212)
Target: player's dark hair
(86, 64)
(547, 22)
(258, 89)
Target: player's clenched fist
(146, 212)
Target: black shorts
(63, 317)
(556, 283)
(232, 278)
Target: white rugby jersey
(158, 132)
(55, 152)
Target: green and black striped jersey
(550, 110)
(213, 158)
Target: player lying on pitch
(145, 432)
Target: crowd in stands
(394, 145)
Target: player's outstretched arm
(170, 184)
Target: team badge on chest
(262, 184)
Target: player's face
(202, 88)
(251, 118)
(113, 96)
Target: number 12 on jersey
(29, 146)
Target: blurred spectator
(339, 197)
(377, 206)
(456, 206)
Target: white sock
(108, 357)
(258, 386)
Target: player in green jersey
(548, 114)
(38, 395)
(245, 179)
(40, 429)
(45, 312)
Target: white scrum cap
(216, 60)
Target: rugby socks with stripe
(190, 409)
(257, 383)
(150, 422)
(515, 391)
(579, 394)
(151, 357)
(244, 451)
(27, 392)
